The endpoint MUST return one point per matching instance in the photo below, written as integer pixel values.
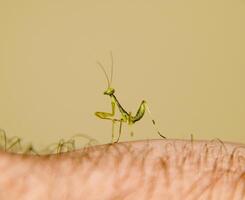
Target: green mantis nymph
(126, 117)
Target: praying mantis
(126, 117)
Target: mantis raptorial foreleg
(108, 116)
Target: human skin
(141, 170)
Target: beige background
(186, 58)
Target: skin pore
(141, 170)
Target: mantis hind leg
(140, 113)
(154, 122)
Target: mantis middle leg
(120, 130)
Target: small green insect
(126, 117)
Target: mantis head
(109, 91)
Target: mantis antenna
(103, 69)
(101, 66)
(111, 67)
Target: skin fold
(141, 170)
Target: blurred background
(186, 58)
